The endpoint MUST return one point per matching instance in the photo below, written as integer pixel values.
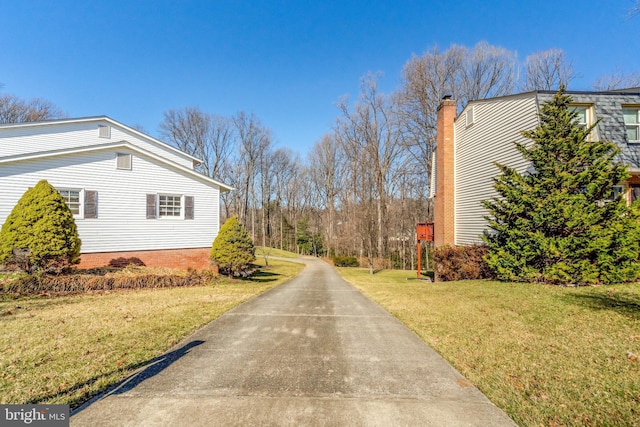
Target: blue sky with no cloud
(288, 62)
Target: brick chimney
(443, 203)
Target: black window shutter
(151, 206)
(188, 207)
(90, 204)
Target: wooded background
(365, 184)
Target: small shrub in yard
(345, 261)
(40, 234)
(232, 250)
(461, 263)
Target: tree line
(365, 183)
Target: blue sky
(288, 62)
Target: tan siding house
(484, 133)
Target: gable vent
(104, 131)
(469, 118)
(123, 161)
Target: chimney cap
(446, 97)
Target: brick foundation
(171, 258)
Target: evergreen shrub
(40, 233)
(233, 250)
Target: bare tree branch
(205, 136)
(547, 70)
(617, 80)
(17, 110)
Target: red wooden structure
(424, 230)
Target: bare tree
(17, 110)
(466, 74)
(326, 170)
(278, 169)
(426, 79)
(253, 139)
(205, 136)
(370, 137)
(139, 128)
(547, 70)
(488, 71)
(617, 80)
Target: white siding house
(129, 191)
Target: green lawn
(261, 251)
(65, 349)
(546, 355)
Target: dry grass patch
(261, 251)
(546, 355)
(65, 349)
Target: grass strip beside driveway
(546, 355)
(65, 349)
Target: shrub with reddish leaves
(461, 263)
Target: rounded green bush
(40, 234)
(232, 250)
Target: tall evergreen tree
(562, 224)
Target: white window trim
(589, 113)
(170, 217)
(637, 125)
(589, 117)
(80, 214)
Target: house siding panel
(122, 224)
(44, 137)
(499, 123)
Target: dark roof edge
(628, 91)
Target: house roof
(110, 146)
(102, 119)
(628, 91)
(607, 107)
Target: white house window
(634, 189)
(632, 123)
(123, 161)
(585, 118)
(72, 197)
(617, 190)
(583, 115)
(169, 205)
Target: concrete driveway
(311, 352)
